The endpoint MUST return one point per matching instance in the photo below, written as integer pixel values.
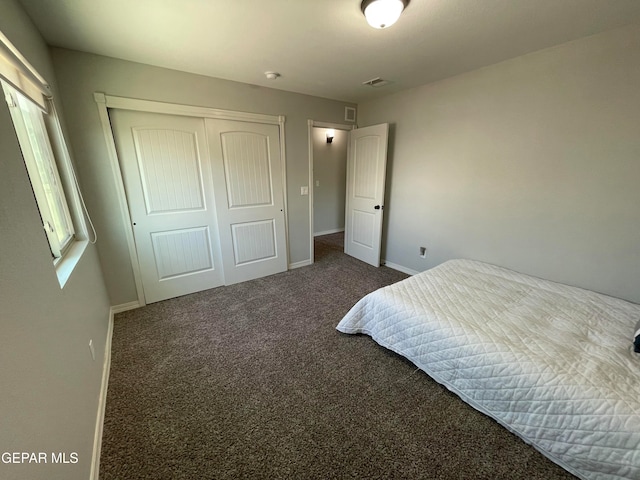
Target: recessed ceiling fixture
(382, 13)
(272, 75)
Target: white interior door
(167, 174)
(248, 185)
(366, 170)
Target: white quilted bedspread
(550, 362)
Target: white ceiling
(322, 47)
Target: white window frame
(43, 172)
(46, 156)
(39, 120)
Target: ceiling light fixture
(271, 75)
(383, 13)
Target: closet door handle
(379, 207)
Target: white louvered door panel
(366, 170)
(248, 181)
(167, 174)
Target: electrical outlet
(92, 350)
(423, 252)
(304, 190)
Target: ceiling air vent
(376, 82)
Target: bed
(550, 362)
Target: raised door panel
(247, 167)
(182, 252)
(366, 167)
(364, 228)
(253, 241)
(170, 173)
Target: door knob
(378, 207)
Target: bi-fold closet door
(205, 198)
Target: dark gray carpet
(253, 381)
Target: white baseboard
(102, 401)
(303, 263)
(400, 268)
(328, 232)
(123, 307)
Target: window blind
(19, 73)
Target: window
(28, 120)
(47, 159)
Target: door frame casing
(310, 126)
(104, 102)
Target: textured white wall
(81, 74)
(330, 169)
(532, 164)
(49, 385)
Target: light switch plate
(304, 190)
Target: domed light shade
(382, 13)
(330, 134)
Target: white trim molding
(328, 232)
(101, 101)
(102, 401)
(400, 268)
(123, 307)
(303, 263)
(310, 125)
(335, 126)
(151, 106)
(283, 158)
